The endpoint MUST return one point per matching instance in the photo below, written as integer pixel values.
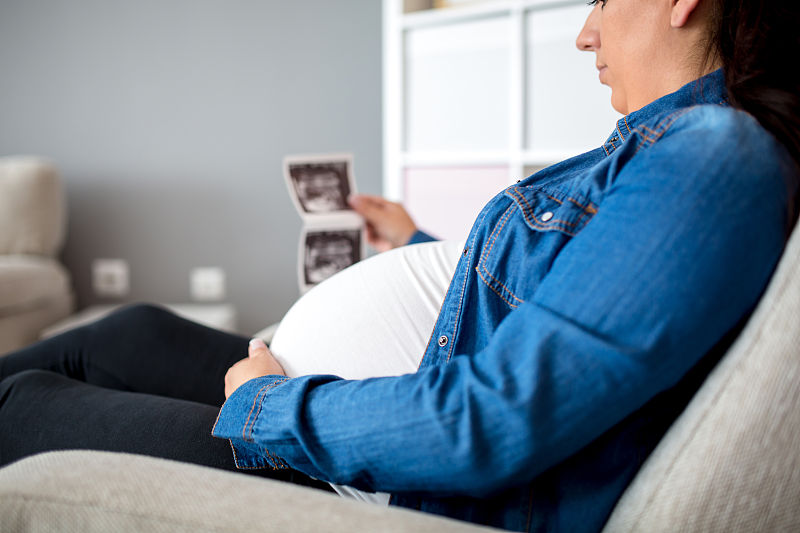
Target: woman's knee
(130, 321)
(25, 380)
(142, 313)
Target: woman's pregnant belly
(372, 319)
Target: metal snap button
(443, 341)
(466, 251)
(547, 216)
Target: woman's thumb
(257, 347)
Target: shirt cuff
(420, 236)
(236, 420)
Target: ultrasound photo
(328, 252)
(321, 187)
(331, 240)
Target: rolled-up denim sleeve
(671, 262)
(419, 237)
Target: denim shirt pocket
(527, 238)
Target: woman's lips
(602, 69)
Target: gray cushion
(24, 327)
(732, 460)
(27, 282)
(85, 492)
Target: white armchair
(34, 287)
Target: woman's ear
(681, 11)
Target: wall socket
(207, 284)
(111, 277)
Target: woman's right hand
(258, 363)
(388, 223)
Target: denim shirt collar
(710, 89)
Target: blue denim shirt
(583, 314)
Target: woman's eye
(595, 2)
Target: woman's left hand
(260, 362)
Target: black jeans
(141, 380)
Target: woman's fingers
(260, 362)
(369, 207)
(388, 223)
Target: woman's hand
(388, 223)
(260, 362)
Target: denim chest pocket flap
(552, 210)
(526, 239)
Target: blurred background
(168, 121)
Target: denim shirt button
(547, 216)
(466, 251)
(443, 341)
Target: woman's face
(639, 54)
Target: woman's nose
(589, 38)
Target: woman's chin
(619, 105)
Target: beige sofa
(731, 463)
(34, 287)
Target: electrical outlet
(207, 284)
(110, 277)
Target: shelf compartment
(420, 18)
(540, 158)
(445, 201)
(457, 81)
(438, 159)
(558, 72)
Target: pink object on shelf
(444, 201)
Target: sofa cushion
(101, 491)
(731, 462)
(32, 207)
(27, 282)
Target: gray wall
(169, 119)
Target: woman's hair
(754, 40)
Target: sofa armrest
(32, 207)
(102, 491)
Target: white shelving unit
(481, 95)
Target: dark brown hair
(755, 41)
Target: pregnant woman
(518, 379)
